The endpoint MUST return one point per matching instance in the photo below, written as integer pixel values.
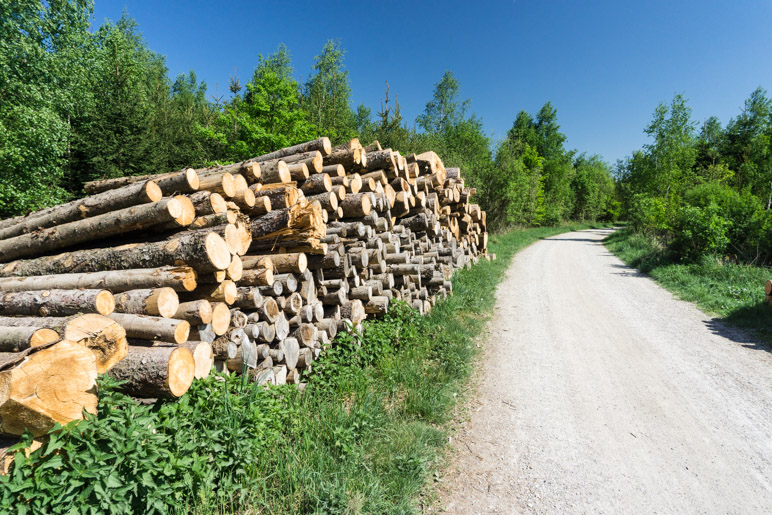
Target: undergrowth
(732, 292)
(364, 437)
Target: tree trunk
(155, 302)
(56, 302)
(195, 312)
(177, 278)
(185, 181)
(46, 385)
(105, 337)
(16, 339)
(108, 224)
(201, 250)
(153, 328)
(156, 372)
(113, 200)
(208, 203)
(319, 183)
(320, 144)
(203, 357)
(356, 205)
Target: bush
(648, 214)
(699, 232)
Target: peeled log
(105, 337)
(153, 328)
(50, 384)
(156, 302)
(156, 372)
(56, 302)
(320, 144)
(177, 278)
(16, 339)
(201, 250)
(113, 200)
(108, 224)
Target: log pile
(251, 267)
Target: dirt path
(601, 393)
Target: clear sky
(605, 65)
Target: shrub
(648, 214)
(699, 232)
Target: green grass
(365, 437)
(732, 292)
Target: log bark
(204, 251)
(334, 170)
(320, 144)
(185, 181)
(356, 205)
(177, 278)
(354, 310)
(113, 200)
(108, 224)
(162, 302)
(195, 312)
(208, 203)
(56, 302)
(103, 336)
(16, 339)
(319, 183)
(49, 384)
(153, 328)
(156, 372)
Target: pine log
(195, 312)
(156, 372)
(153, 328)
(202, 333)
(334, 170)
(155, 302)
(223, 184)
(320, 144)
(300, 221)
(319, 183)
(305, 358)
(16, 339)
(45, 385)
(281, 326)
(185, 181)
(203, 357)
(377, 306)
(103, 336)
(248, 298)
(56, 302)
(356, 205)
(108, 224)
(353, 310)
(203, 251)
(113, 200)
(208, 203)
(291, 349)
(225, 291)
(177, 278)
(221, 318)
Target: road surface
(600, 392)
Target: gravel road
(600, 392)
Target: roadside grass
(365, 436)
(731, 292)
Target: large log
(113, 200)
(177, 278)
(45, 385)
(16, 339)
(196, 312)
(320, 144)
(56, 302)
(184, 181)
(203, 357)
(156, 372)
(103, 336)
(201, 250)
(108, 224)
(152, 301)
(153, 328)
(298, 221)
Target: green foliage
(699, 232)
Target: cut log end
(217, 251)
(182, 371)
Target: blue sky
(605, 65)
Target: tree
(445, 109)
(327, 95)
(43, 72)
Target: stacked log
(252, 267)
